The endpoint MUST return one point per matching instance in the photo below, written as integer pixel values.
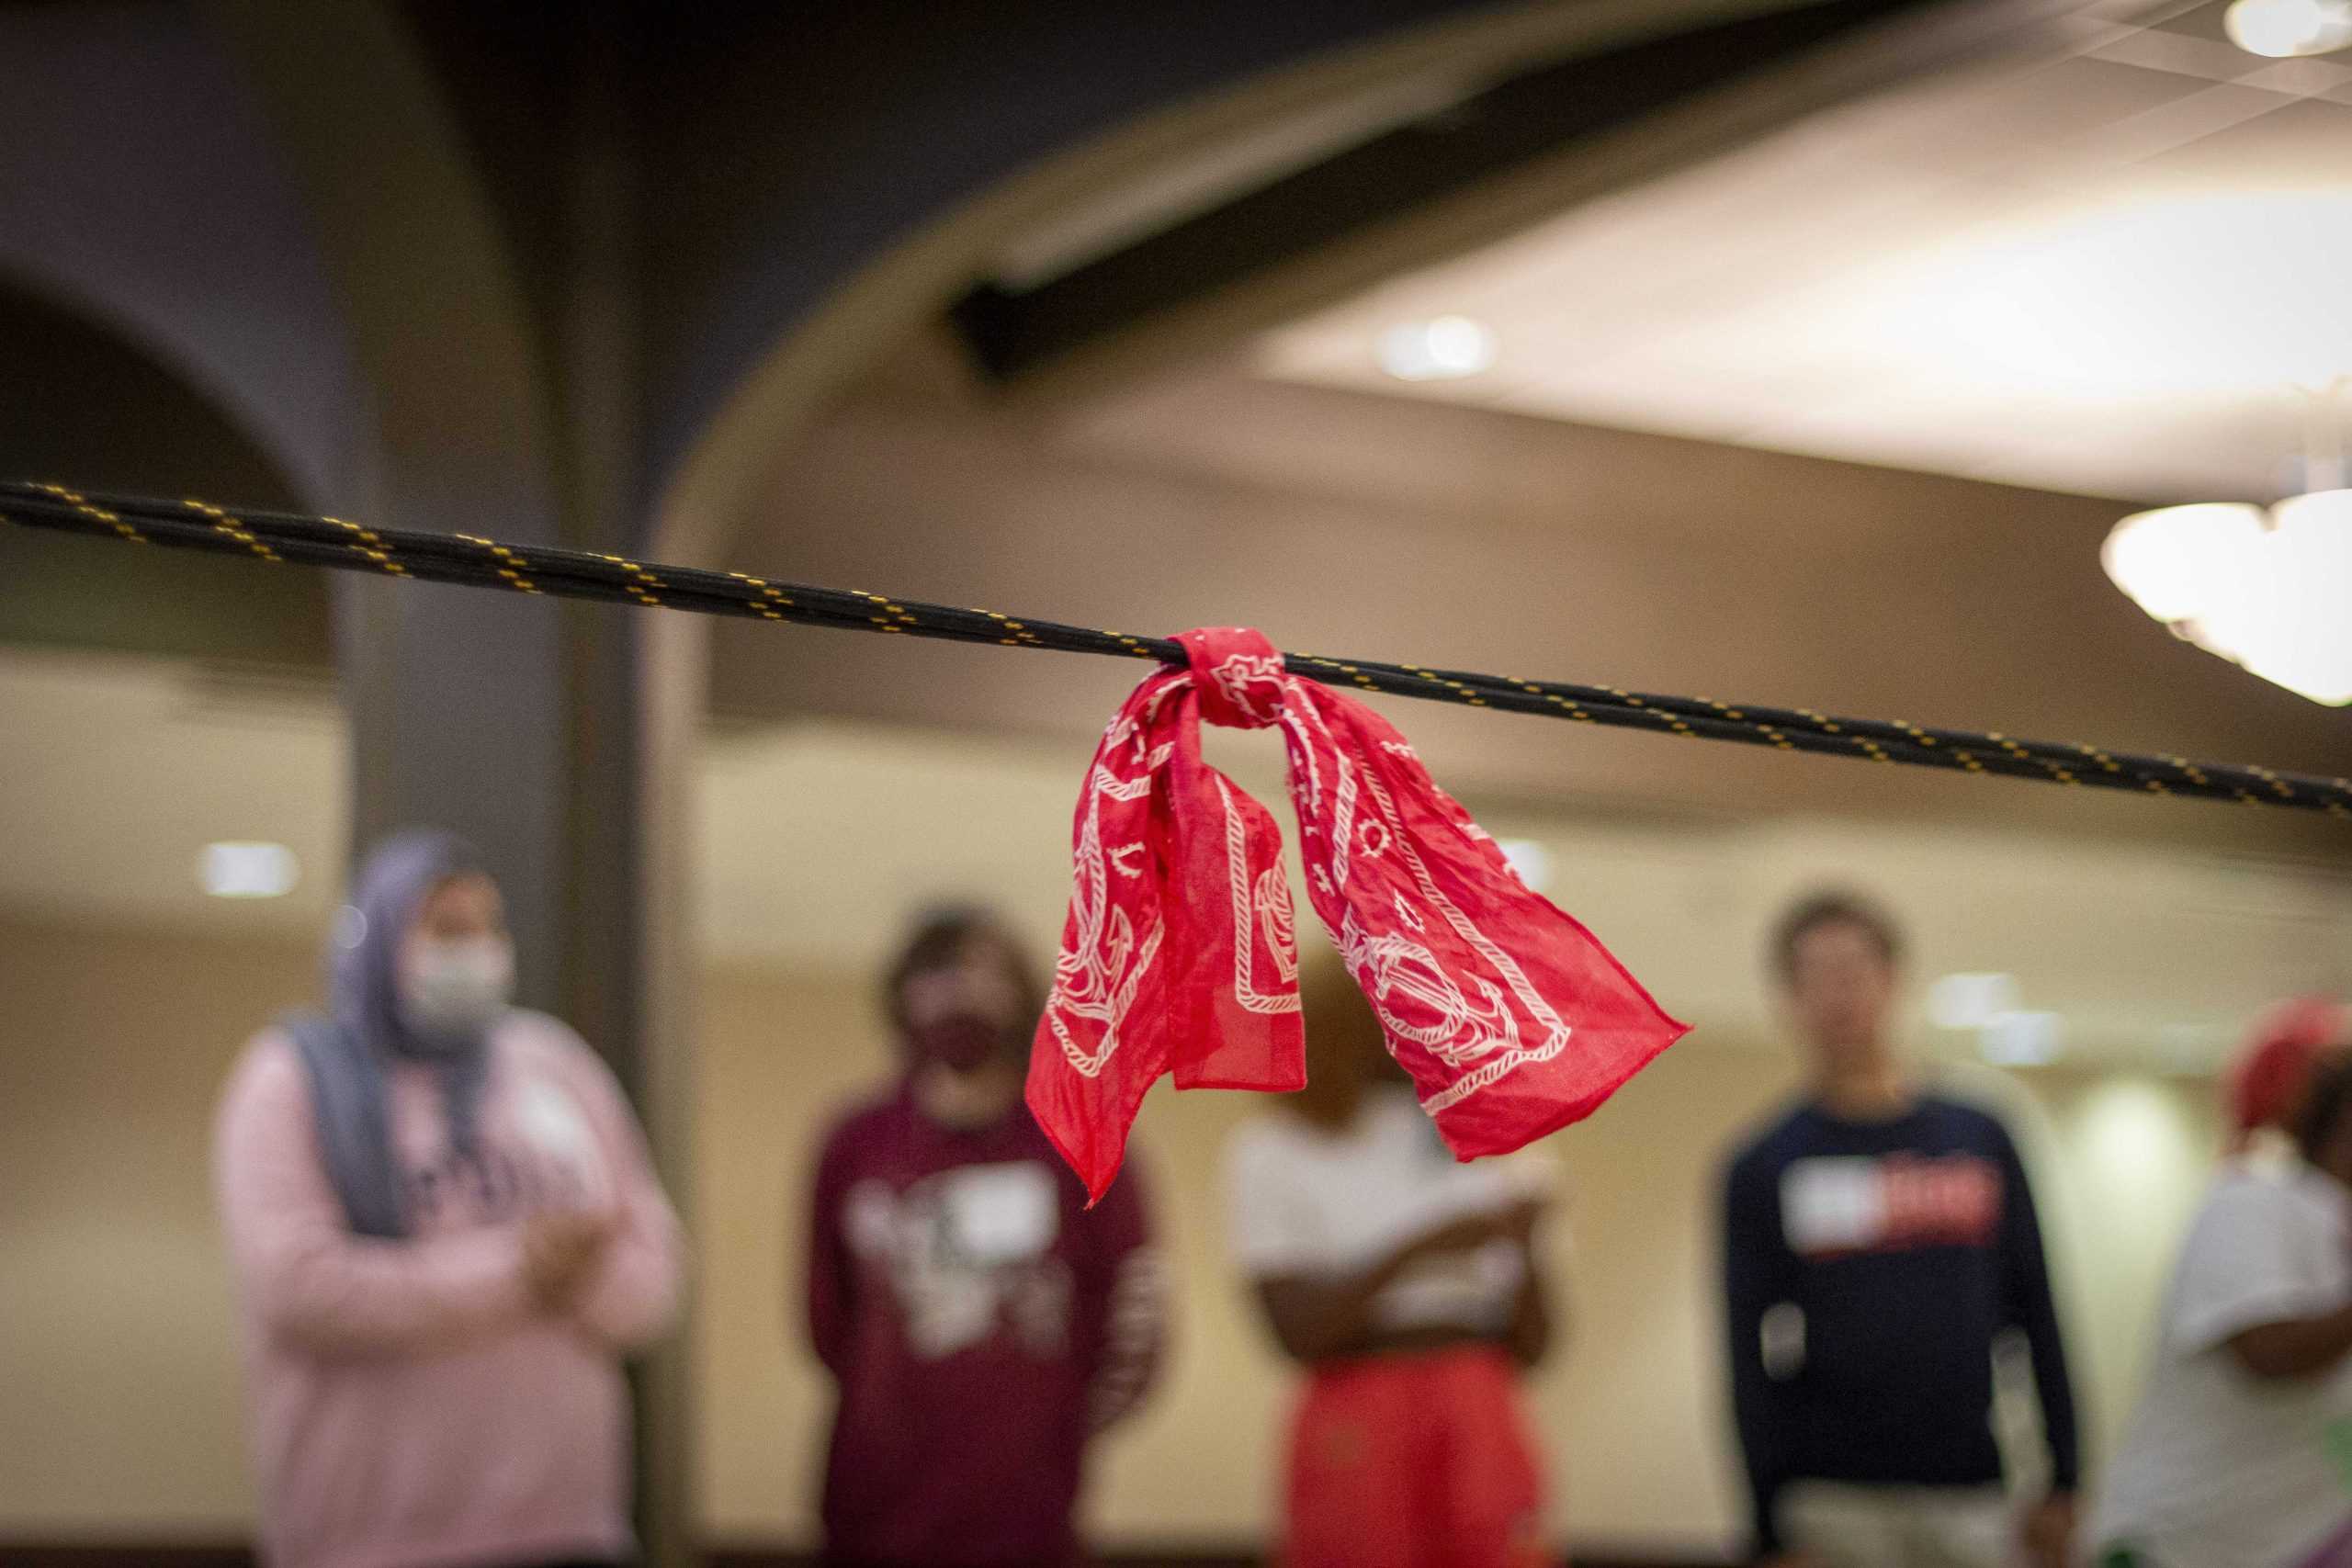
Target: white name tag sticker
(1001, 1214)
(1833, 1205)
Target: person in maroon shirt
(981, 1322)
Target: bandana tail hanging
(1179, 954)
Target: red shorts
(1413, 1462)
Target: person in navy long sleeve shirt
(1877, 1242)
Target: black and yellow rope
(302, 540)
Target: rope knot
(1238, 675)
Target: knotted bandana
(1179, 954)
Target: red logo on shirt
(1837, 1207)
(1952, 1202)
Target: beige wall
(118, 1374)
(118, 1382)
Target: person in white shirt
(2239, 1454)
(1409, 1286)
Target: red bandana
(1178, 954)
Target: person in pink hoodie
(445, 1236)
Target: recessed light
(2022, 1039)
(1970, 1001)
(2187, 1048)
(1444, 348)
(246, 869)
(1529, 859)
(2281, 30)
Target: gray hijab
(347, 1052)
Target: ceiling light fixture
(235, 869)
(2022, 1039)
(1971, 1000)
(1530, 860)
(2267, 591)
(1444, 348)
(2281, 30)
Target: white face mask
(456, 988)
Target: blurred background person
(445, 1234)
(980, 1322)
(2239, 1454)
(1900, 1229)
(1409, 1287)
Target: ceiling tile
(2304, 78)
(1986, 272)
(2175, 124)
(2157, 50)
(2018, 112)
(2300, 145)
(2138, 13)
(2199, 21)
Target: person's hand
(1464, 1233)
(560, 1249)
(2047, 1531)
(1467, 1233)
